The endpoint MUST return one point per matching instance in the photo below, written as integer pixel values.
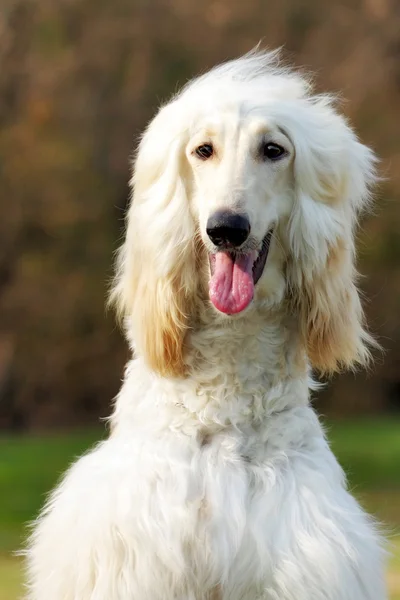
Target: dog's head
(246, 191)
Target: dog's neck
(240, 372)
(264, 344)
(248, 364)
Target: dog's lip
(259, 262)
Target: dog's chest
(225, 526)
(248, 514)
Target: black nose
(228, 229)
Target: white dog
(236, 277)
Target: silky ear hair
(156, 274)
(331, 315)
(333, 173)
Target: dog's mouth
(234, 275)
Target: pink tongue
(231, 286)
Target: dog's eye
(204, 151)
(272, 151)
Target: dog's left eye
(272, 151)
(204, 151)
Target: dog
(236, 279)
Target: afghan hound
(236, 280)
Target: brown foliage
(79, 78)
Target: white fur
(216, 481)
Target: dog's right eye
(273, 151)
(204, 151)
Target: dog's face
(248, 173)
(243, 189)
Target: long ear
(333, 173)
(156, 274)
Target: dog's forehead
(232, 120)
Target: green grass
(10, 578)
(368, 450)
(394, 570)
(30, 466)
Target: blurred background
(78, 81)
